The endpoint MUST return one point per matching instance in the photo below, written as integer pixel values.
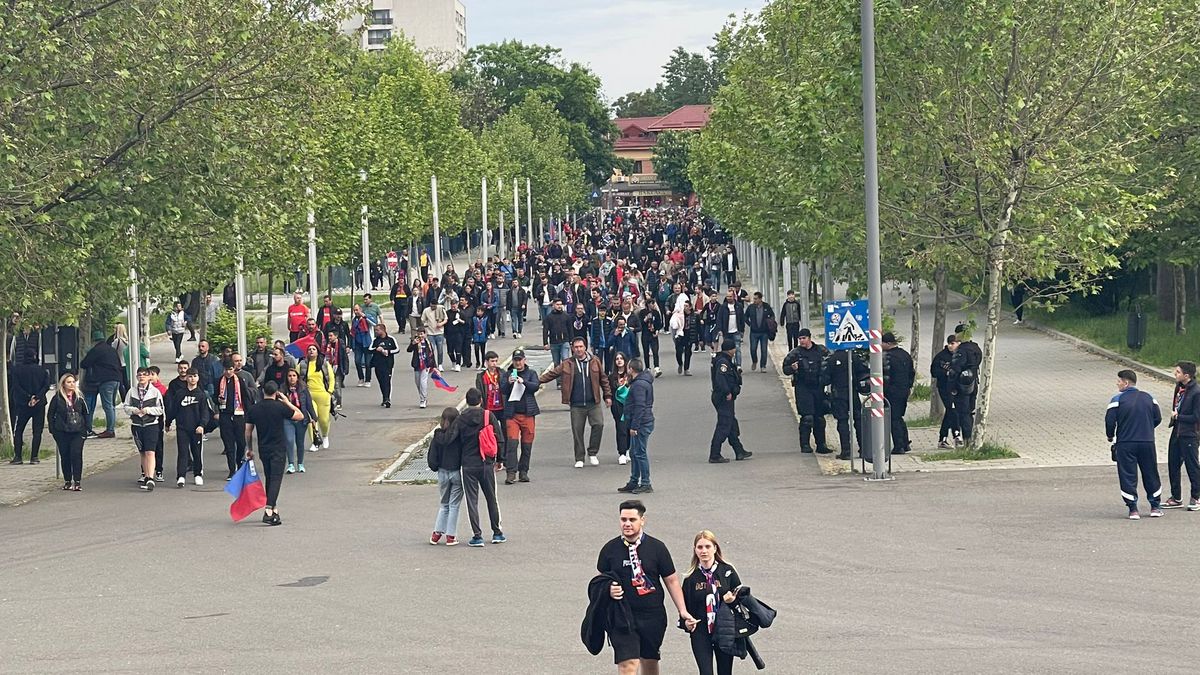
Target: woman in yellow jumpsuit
(319, 378)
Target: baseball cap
(518, 354)
(727, 344)
(889, 338)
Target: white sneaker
(325, 443)
(578, 465)
(622, 459)
(595, 461)
(422, 404)
(314, 448)
(457, 368)
(180, 482)
(199, 480)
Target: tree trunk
(270, 294)
(1165, 283)
(6, 430)
(914, 286)
(203, 317)
(941, 298)
(1180, 299)
(994, 290)
(328, 284)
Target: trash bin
(1135, 334)
(866, 431)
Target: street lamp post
(874, 282)
(366, 241)
(312, 248)
(528, 213)
(516, 217)
(437, 231)
(483, 224)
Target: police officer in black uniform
(726, 385)
(899, 374)
(940, 370)
(843, 404)
(964, 380)
(806, 365)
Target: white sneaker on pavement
(457, 368)
(595, 461)
(199, 480)
(622, 459)
(578, 465)
(325, 442)
(314, 448)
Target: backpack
(487, 439)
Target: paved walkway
(1048, 398)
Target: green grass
(44, 453)
(923, 422)
(920, 392)
(984, 452)
(1163, 347)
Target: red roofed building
(639, 135)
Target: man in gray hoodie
(639, 413)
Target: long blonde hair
(717, 555)
(61, 391)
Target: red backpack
(487, 439)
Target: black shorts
(646, 639)
(146, 438)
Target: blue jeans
(543, 310)
(362, 361)
(516, 318)
(758, 349)
(438, 342)
(714, 279)
(108, 393)
(450, 487)
(296, 435)
(560, 351)
(737, 339)
(639, 460)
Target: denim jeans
(515, 318)
(543, 310)
(362, 361)
(108, 392)
(639, 460)
(560, 351)
(737, 339)
(450, 487)
(296, 435)
(714, 279)
(438, 342)
(758, 349)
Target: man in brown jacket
(584, 387)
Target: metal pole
(787, 276)
(500, 188)
(312, 249)
(541, 232)
(775, 282)
(851, 400)
(437, 230)
(483, 225)
(874, 282)
(516, 218)
(133, 323)
(805, 299)
(366, 239)
(528, 213)
(239, 288)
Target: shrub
(223, 330)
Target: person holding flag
(422, 364)
(269, 417)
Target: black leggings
(177, 340)
(649, 346)
(480, 350)
(683, 352)
(187, 457)
(703, 650)
(70, 453)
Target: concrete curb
(1092, 348)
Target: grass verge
(985, 452)
(923, 422)
(1163, 347)
(920, 392)
(46, 451)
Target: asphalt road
(1015, 571)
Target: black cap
(728, 344)
(804, 332)
(960, 328)
(518, 354)
(889, 338)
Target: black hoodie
(466, 430)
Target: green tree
(648, 103)
(671, 158)
(509, 71)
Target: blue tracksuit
(1129, 423)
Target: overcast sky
(625, 42)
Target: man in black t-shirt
(269, 416)
(644, 567)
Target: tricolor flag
(440, 382)
(299, 348)
(247, 491)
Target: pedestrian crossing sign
(845, 322)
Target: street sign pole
(874, 282)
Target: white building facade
(437, 25)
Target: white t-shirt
(732, 327)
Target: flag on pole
(441, 383)
(247, 492)
(299, 348)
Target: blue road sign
(595, 194)
(845, 324)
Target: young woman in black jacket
(445, 457)
(710, 581)
(68, 423)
